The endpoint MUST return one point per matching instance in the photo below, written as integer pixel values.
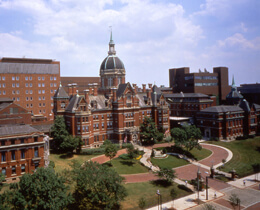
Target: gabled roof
(224, 108)
(100, 99)
(256, 106)
(121, 89)
(7, 130)
(4, 105)
(244, 105)
(74, 101)
(60, 93)
(6, 100)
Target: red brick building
(115, 110)
(31, 83)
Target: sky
(151, 36)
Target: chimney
(144, 88)
(114, 94)
(136, 88)
(86, 92)
(150, 85)
(149, 93)
(70, 89)
(95, 92)
(74, 89)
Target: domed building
(112, 69)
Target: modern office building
(216, 83)
(30, 83)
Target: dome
(112, 62)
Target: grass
(148, 190)
(245, 154)
(173, 161)
(169, 162)
(127, 166)
(62, 161)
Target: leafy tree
(131, 151)
(41, 190)
(107, 142)
(71, 143)
(142, 203)
(110, 151)
(59, 132)
(234, 200)
(97, 187)
(167, 174)
(208, 207)
(173, 194)
(148, 131)
(160, 136)
(187, 137)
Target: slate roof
(121, 89)
(100, 99)
(74, 101)
(257, 106)
(4, 105)
(43, 128)
(6, 100)
(112, 62)
(60, 93)
(142, 97)
(224, 108)
(186, 95)
(244, 105)
(8, 130)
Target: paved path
(102, 158)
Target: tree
(166, 174)
(97, 187)
(234, 200)
(208, 207)
(110, 151)
(70, 143)
(187, 137)
(59, 132)
(173, 194)
(41, 190)
(148, 131)
(142, 203)
(131, 151)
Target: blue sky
(151, 36)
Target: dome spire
(111, 44)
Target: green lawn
(128, 167)
(173, 161)
(169, 162)
(245, 154)
(148, 190)
(62, 161)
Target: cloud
(238, 40)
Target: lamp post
(198, 182)
(159, 199)
(207, 185)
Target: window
(26, 78)
(17, 84)
(35, 139)
(39, 84)
(13, 84)
(13, 170)
(27, 98)
(23, 168)
(22, 154)
(39, 78)
(3, 78)
(43, 104)
(51, 84)
(13, 78)
(18, 99)
(43, 91)
(2, 143)
(26, 84)
(43, 98)
(43, 85)
(36, 152)
(55, 85)
(54, 78)
(42, 78)
(13, 91)
(3, 85)
(13, 155)
(31, 91)
(17, 78)
(3, 92)
(3, 157)
(40, 98)
(17, 92)
(40, 104)
(51, 78)
(31, 85)
(4, 171)
(12, 141)
(30, 78)
(39, 91)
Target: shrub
(183, 187)
(124, 157)
(95, 151)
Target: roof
(6, 100)
(4, 105)
(186, 95)
(100, 99)
(60, 93)
(224, 108)
(75, 99)
(112, 62)
(43, 127)
(29, 68)
(244, 105)
(8, 130)
(257, 106)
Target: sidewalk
(249, 181)
(190, 200)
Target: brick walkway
(102, 158)
(144, 177)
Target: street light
(159, 199)
(198, 180)
(207, 184)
